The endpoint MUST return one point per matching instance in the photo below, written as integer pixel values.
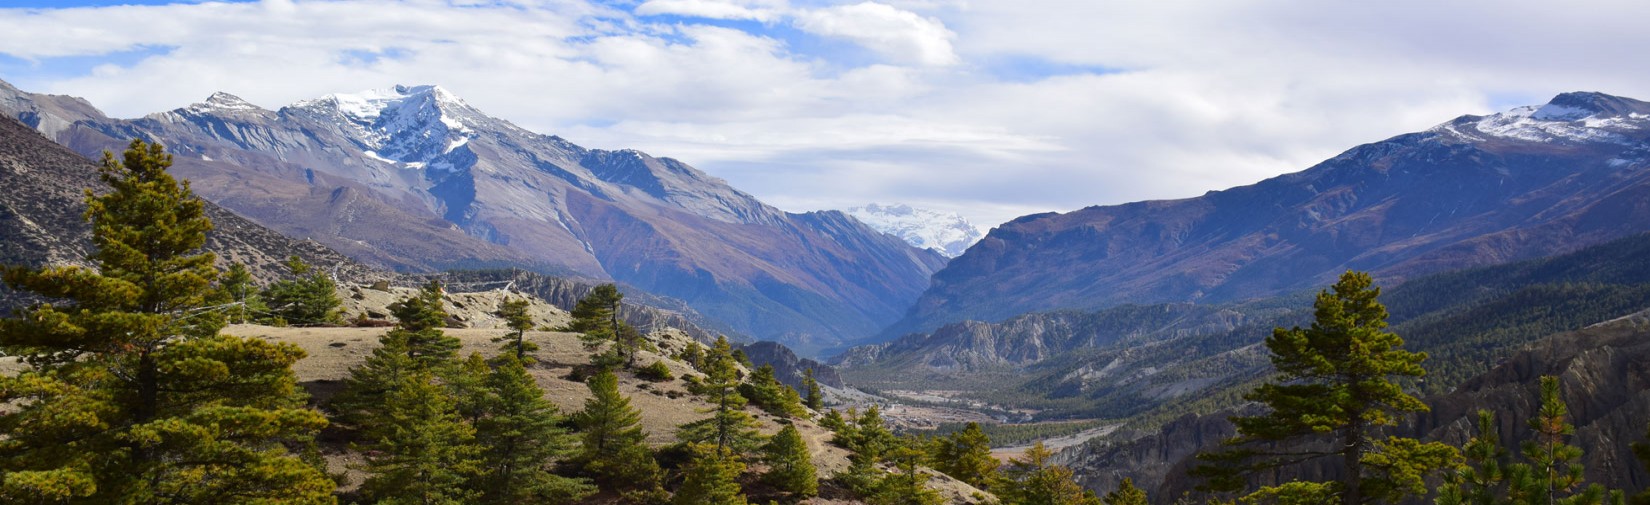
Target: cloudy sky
(992, 109)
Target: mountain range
(1476, 190)
(414, 178)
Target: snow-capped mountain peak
(415, 125)
(946, 233)
(1577, 117)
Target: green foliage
(596, 316)
(1557, 475)
(1482, 479)
(790, 466)
(614, 450)
(514, 313)
(1324, 392)
(729, 427)
(424, 453)
(906, 485)
(711, 478)
(693, 355)
(309, 298)
(1032, 480)
(416, 344)
(815, 400)
(765, 391)
(1126, 494)
(656, 372)
(966, 456)
(129, 395)
(1641, 450)
(520, 435)
(1018, 434)
(237, 287)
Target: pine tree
(520, 435)
(729, 427)
(693, 355)
(1033, 480)
(1126, 494)
(237, 287)
(466, 381)
(516, 317)
(711, 478)
(130, 395)
(425, 453)
(309, 298)
(834, 421)
(1482, 480)
(596, 316)
(815, 400)
(419, 321)
(790, 466)
(966, 456)
(416, 344)
(1336, 380)
(870, 436)
(764, 390)
(614, 450)
(1554, 463)
(907, 485)
(1641, 450)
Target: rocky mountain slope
(416, 179)
(1476, 190)
(1154, 362)
(43, 204)
(1604, 372)
(943, 232)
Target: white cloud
(712, 9)
(987, 108)
(900, 34)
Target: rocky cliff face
(1604, 371)
(788, 367)
(1477, 190)
(416, 179)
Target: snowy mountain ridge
(944, 232)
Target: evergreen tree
(614, 450)
(419, 322)
(966, 456)
(711, 478)
(815, 400)
(596, 316)
(907, 485)
(309, 298)
(1557, 473)
(467, 383)
(416, 344)
(729, 427)
(1336, 380)
(1482, 480)
(130, 395)
(1641, 450)
(870, 436)
(516, 317)
(790, 466)
(425, 453)
(1032, 480)
(237, 287)
(693, 355)
(519, 436)
(764, 390)
(1126, 494)
(834, 421)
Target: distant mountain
(416, 179)
(943, 232)
(1476, 190)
